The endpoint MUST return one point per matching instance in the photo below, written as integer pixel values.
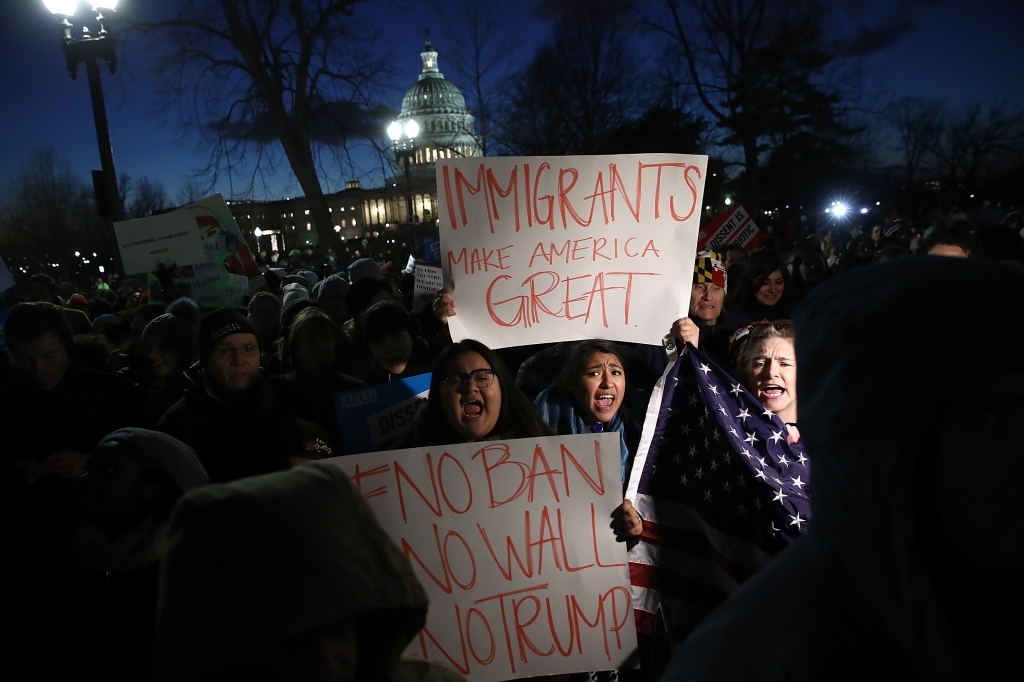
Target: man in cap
(707, 325)
(230, 414)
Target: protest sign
(145, 243)
(375, 417)
(6, 278)
(432, 249)
(540, 249)
(511, 541)
(428, 281)
(217, 279)
(731, 227)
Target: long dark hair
(759, 266)
(579, 358)
(516, 419)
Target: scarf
(558, 410)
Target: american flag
(719, 489)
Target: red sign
(732, 227)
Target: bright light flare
(103, 4)
(840, 209)
(863, 210)
(412, 129)
(395, 130)
(62, 7)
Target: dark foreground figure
(913, 567)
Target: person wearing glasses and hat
(228, 414)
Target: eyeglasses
(481, 378)
(230, 352)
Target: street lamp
(403, 142)
(89, 49)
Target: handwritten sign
(217, 278)
(552, 249)
(147, 242)
(6, 278)
(731, 227)
(428, 280)
(511, 541)
(376, 417)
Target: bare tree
(190, 191)
(918, 124)
(249, 73)
(148, 197)
(977, 143)
(757, 67)
(579, 87)
(481, 47)
(48, 214)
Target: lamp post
(403, 142)
(90, 49)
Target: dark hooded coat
(874, 591)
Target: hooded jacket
(857, 598)
(254, 563)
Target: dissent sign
(545, 249)
(511, 540)
(733, 227)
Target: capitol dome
(437, 105)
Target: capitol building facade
(445, 131)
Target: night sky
(958, 50)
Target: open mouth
(604, 401)
(472, 409)
(772, 391)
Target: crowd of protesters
(168, 517)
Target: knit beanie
(169, 454)
(178, 326)
(309, 276)
(360, 293)
(332, 286)
(383, 318)
(364, 267)
(709, 268)
(294, 292)
(220, 324)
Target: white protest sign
(6, 278)
(146, 242)
(428, 280)
(511, 541)
(545, 249)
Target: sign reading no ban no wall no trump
(545, 249)
(511, 541)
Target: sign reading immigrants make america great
(546, 249)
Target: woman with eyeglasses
(473, 398)
(766, 364)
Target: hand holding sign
(444, 306)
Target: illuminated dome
(437, 105)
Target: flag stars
(776, 436)
(779, 496)
(707, 495)
(798, 483)
(714, 465)
(726, 488)
(744, 451)
(736, 389)
(802, 459)
(686, 430)
(751, 438)
(693, 451)
(744, 413)
(699, 473)
(768, 413)
(713, 388)
(797, 521)
(783, 461)
(683, 479)
(760, 474)
(704, 368)
(693, 400)
(715, 435)
(733, 432)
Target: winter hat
(360, 293)
(364, 267)
(709, 268)
(259, 561)
(383, 318)
(220, 324)
(332, 286)
(77, 300)
(295, 279)
(179, 325)
(169, 454)
(294, 292)
(309, 276)
(101, 320)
